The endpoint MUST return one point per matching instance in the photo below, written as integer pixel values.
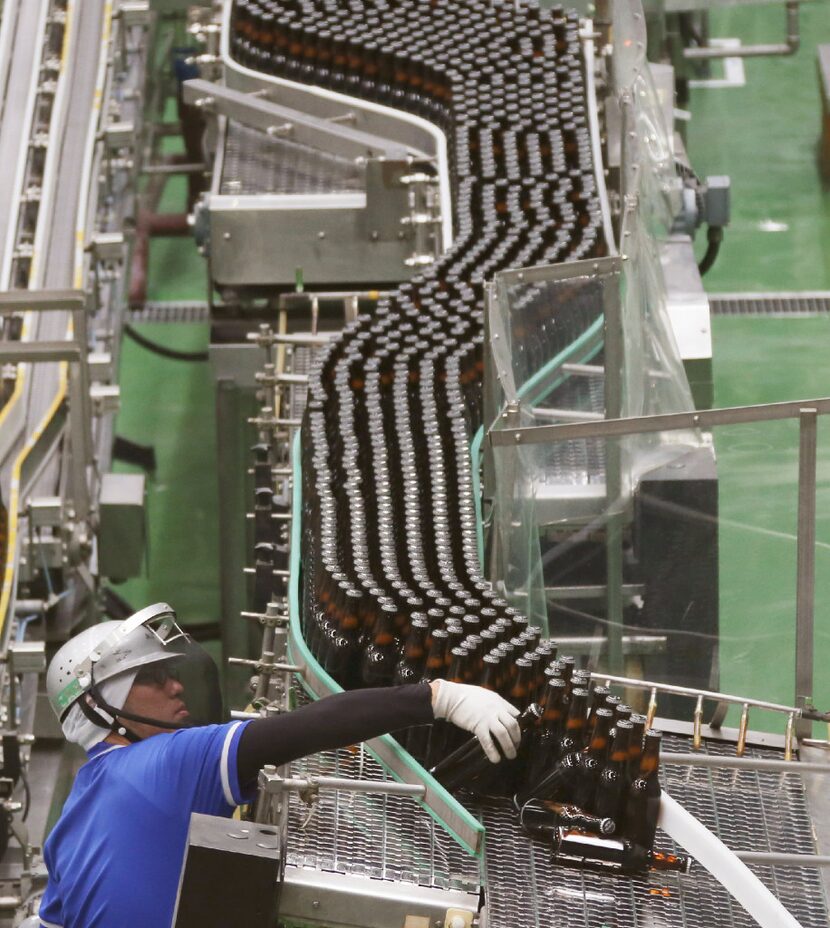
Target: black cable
(114, 604)
(28, 800)
(162, 350)
(714, 236)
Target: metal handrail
(789, 47)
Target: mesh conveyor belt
(392, 838)
(749, 810)
(384, 837)
(256, 163)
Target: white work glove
(482, 712)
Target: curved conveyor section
(389, 522)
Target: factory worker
(143, 699)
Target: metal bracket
(133, 12)
(275, 119)
(27, 656)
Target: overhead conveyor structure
(72, 75)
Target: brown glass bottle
(410, 668)
(612, 783)
(380, 655)
(642, 807)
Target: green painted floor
(764, 136)
(169, 404)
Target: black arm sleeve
(331, 722)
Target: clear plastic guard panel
(629, 33)
(540, 321)
(647, 156)
(575, 342)
(703, 543)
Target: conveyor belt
(382, 837)
(489, 212)
(748, 810)
(358, 431)
(391, 838)
(785, 305)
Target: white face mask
(79, 729)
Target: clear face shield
(176, 682)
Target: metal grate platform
(257, 163)
(392, 838)
(749, 810)
(381, 837)
(806, 303)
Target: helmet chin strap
(117, 714)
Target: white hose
(732, 873)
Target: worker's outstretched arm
(357, 715)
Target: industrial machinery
(455, 310)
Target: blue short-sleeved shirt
(115, 854)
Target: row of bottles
(595, 798)
(392, 588)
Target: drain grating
(805, 303)
(173, 311)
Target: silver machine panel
(360, 208)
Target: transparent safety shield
(647, 158)
(579, 342)
(546, 334)
(690, 578)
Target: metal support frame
(806, 411)
(321, 897)
(805, 563)
(615, 428)
(277, 120)
(74, 351)
(612, 383)
(271, 782)
(789, 47)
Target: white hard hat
(112, 649)
(108, 649)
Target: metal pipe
(698, 720)
(742, 730)
(774, 859)
(167, 169)
(565, 415)
(744, 763)
(789, 47)
(690, 691)
(390, 787)
(805, 563)
(613, 390)
(788, 738)
(640, 425)
(652, 708)
(269, 668)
